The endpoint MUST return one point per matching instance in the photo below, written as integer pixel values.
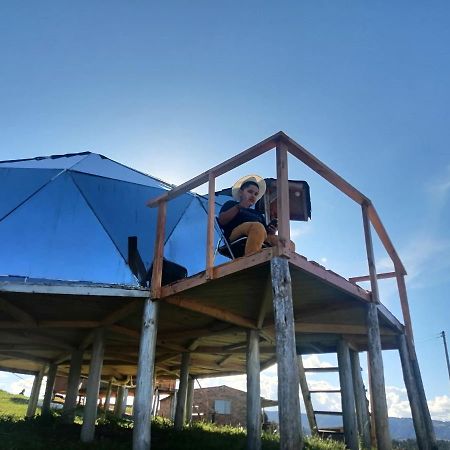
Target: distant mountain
(400, 428)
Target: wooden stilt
(34, 396)
(51, 376)
(182, 391)
(108, 397)
(378, 394)
(118, 407)
(306, 396)
(288, 381)
(362, 410)
(347, 396)
(73, 383)
(173, 405)
(155, 402)
(93, 387)
(189, 400)
(378, 391)
(253, 392)
(144, 378)
(413, 395)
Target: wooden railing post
(377, 386)
(283, 200)
(210, 227)
(405, 306)
(159, 251)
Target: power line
(442, 335)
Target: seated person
(237, 218)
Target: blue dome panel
(17, 185)
(120, 208)
(55, 235)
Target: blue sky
(173, 88)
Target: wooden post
(144, 378)
(93, 387)
(413, 395)
(118, 407)
(210, 227)
(51, 376)
(378, 394)
(159, 251)
(347, 395)
(108, 398)
(182, 391)
(288, 394)
(306, 396)
(173, 405)
(404, 304)
(284, 238)
(34, 396)
(361, 403)
(189, 400)
(73, 383)
(253, 392)
(123, 408)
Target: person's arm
(229, 214)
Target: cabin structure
(84, 292)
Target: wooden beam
(337, 328)
(51, 376)
(125, 331)
(158, 253)
(93, 387)
(266, 301)
(347, 396)
(361, 403)
(384, 237)
(323, 170)
(253, 392)
(182, 392)
(17, 313)
(70, 402)
(210, 227)
(288, 382)
(25, 356)
(380, 276)
(32, 402)
(284, 237)
(121, 313)
(144, 380)
(230, 164)
(211, 311)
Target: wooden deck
(43, 322)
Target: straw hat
(255, 179)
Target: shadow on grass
(19, 400)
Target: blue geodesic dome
(68, 217)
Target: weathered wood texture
(413, 395)
(405, 305)
(189, 400)
(34, 396)
(93, 387)
(180, 410)
(253, 392)
(378, 390)
(306, 396)
(159, 251)
(347, 396)
(361, 404)
(51, 376)
(423, 400)
(118, 406)
(210, 227)
(288, 381)
(282, 198)
(108, 397)
(70, 402)
(144, 379)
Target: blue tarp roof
(68, 217)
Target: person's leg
(255, 232)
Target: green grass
(45, 433)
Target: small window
(222, 406)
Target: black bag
(171, 272)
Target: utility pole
(446, 353)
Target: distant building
(222, 405)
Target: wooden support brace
(253, 392)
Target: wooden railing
(284, 145)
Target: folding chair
(231, 250)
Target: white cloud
(440, 407)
